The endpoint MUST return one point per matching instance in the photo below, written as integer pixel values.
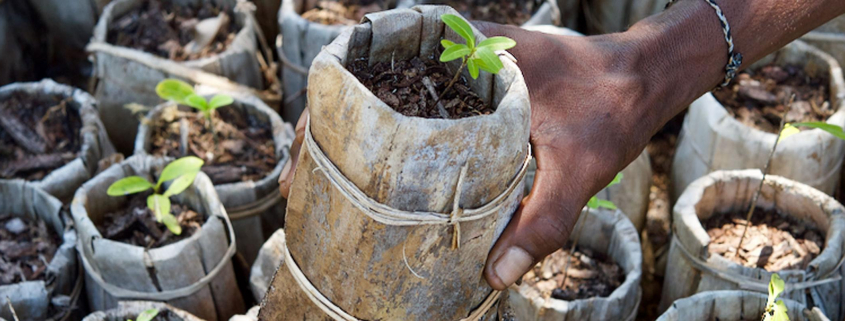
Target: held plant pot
(270, 258)
(733, 306)
(255, 207)
(32, 300)
(125, 75)
(712, 139)
(194, 274)
(692, 269)
(378, 165)
(607, 232)
(62, 182)
(129, 310)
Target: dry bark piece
(590, 274)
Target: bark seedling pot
(129, 310)
(270, 258)
(733, 306)
(129, 256)
(369, 175)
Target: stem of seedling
(577, 235)
(754, 198)
(210, 126)
(452, 82)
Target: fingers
(286, 177)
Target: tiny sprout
(775, 309)
(182, 93)
(182, 171)
(481, 57)
(595, 202)
(147, 315)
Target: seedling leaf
(148, 315)
(780, 312)
(446, 43)
(606, 204)
(160, 206)
(461, 27)
(173, 89)
(832, 129)
(179, 167)
(616, 180)
(219, 101)
(129, 185)
(172, 224)
(454, 52)
(473, 68)
(497, 43)
(492, 64)
(180, 184)
(776, 286)
(196, 101)
(593, 202)
(788, 130)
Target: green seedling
(775, 309)
(183, 93)
(181, 171)
(474, 57)
(147, 315)
(785, 130)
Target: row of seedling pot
(161, 225)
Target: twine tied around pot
(391, 216)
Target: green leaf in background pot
(129, 185)
(492, 64)
(776, 286)
(788, 130)
(148, 315)
(454, 52)
(179, 167)
(173, 89)
(461, 27)
(606, 204)
(593, 202)
(616, 180)
(180, 184)
(172, 224)
(160, 205)
(497, 43)
(219, 101)
(832, 129)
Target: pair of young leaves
(183, 93)
(181, 171)
(147, 315)
(775, 309)
(482, 56)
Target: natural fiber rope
(752, 284)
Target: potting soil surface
(37, 135)
(243, 149)
(759, 98)
(774, 242)
(590, 274)
(135, 224)
(164, 29)
(401, 86)
(346, 12)
(26, 248)
(508, 12)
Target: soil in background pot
(164, 29)
(775, 242)
(243, 149)
(37, 135)
(507, 12)
(590, 275)
(136, 224)
(400, 85)
(26, 248)
(759, 98)
(343, 12)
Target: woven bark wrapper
(255, 207)
(692, 269)
(733, 305)
(406, 163)
(711, 139)
(63, 181)
(32, 299)
(129, 310)
(119, 271)
(607, 232)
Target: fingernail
(285, 171)
(511, 266)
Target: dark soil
(400, 85)
(164, 29)
(590, 275)
(136, 224)
(774, 242)
(344, 12)
(759, 98)
(37, 135)
(26, 248)
(244, 149)
(508, 12)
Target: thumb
(540, 227)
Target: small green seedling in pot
(147, 315)
(775, 309)
(474, 57)
(183, 93)
(181, 171)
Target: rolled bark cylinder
(369, 269)
(255, 207)
(692, 269)
(270, 258)
(711, 139)
(194, 274)
(733, 306)
(32, 300)
(95, 144)
(125, 75)
(607, 232)
(129, 310)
